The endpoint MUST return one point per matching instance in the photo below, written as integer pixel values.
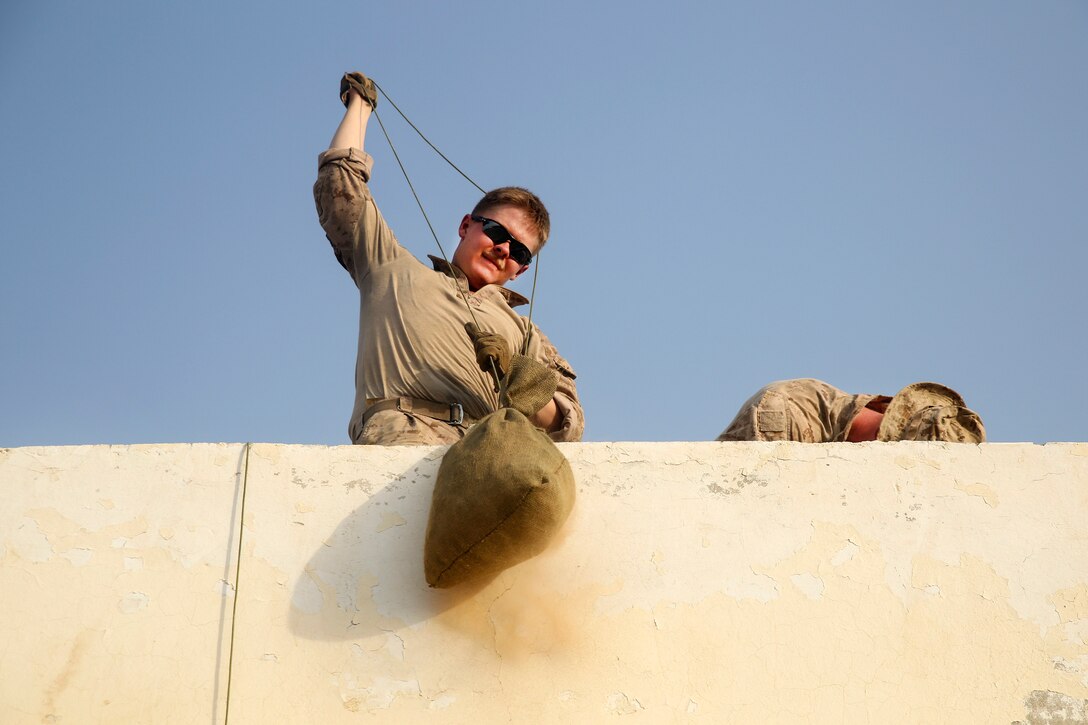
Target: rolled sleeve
(347, 212)
(573, 423)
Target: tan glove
(529, 386)
(362, 85)
(489, 346)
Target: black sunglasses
(497, 234)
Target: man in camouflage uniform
(419, 376)
(811, 411)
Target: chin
(487, 274)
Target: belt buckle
(457, 414)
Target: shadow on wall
(340, 595)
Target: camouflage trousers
(396, 428)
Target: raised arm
(358, 233)
(351, 133)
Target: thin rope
(532, 299)
(237, 581)
(395, 106)
(499, 387)
(416, 197)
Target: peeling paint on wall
(1045, 707)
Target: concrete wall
(779, 583)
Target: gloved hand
(362, 85)
(489, 345)
(529, 386)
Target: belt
(451, 413)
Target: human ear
(462, 230)
(520, 271)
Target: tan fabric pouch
(502, 493)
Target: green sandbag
(502, 493)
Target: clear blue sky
(867, 193)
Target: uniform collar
(440, 265)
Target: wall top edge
(839, 447)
